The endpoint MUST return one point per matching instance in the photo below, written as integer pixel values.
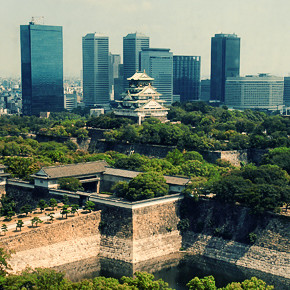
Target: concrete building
(70, 101)
(255, 92)
(132, 46)
(41, 68)
(205, 90)
(158, 63)
(95, 69)
(287, 91)
(186, 77)
(225, 62)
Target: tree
(65, 199)
(51, 216)
(52, 203)
(4, 228)
(70, 184)
(4, 265)
(65, 211)
(143, 186)
(74, 208)
(145, 281)
(35, 221)
(26, 209)
(7, 206)
(89, 205)
(42, 205)
(19, 224)
(206, 283)
(278, 156)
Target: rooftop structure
(141, 100)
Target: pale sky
(184, 26)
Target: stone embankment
(55, 244)
(137, 232)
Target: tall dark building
(41, 68)
(186, 77)
(132, 46)
(225, 62)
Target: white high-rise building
(96, 69)
(255, 92)
(158, 63)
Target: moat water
(175, 269)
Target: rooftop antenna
(37, 20)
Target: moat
(176, 269)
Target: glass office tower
(132, 46)
(186, 77)
(96, 69)
(158, 63)
(41, 68)
(225, 62)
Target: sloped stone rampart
(54, 244)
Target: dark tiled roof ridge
(72, 164)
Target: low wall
(55, 244)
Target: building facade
(41, 68)
(141, 101)
(205, 90)
(287, 91)
(255, 92)
(95, 69)
(186, 77)
(225, 62)
(132, 46)
(158, 63)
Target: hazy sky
(184, 26)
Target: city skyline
(184, 27)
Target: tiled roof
(142, 76)
(73, 170)
(2, 166)
(174, 180)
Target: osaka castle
(141, 101)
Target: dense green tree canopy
(143, 186)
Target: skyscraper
(225, 62)
(41, 68)
(158, 63)
(132, 46)
(96, 69)
(114, 62)
(186, 77)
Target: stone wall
(55, 244)
(158, 151)
(155, 231)
(221, 231)
(235, 157)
